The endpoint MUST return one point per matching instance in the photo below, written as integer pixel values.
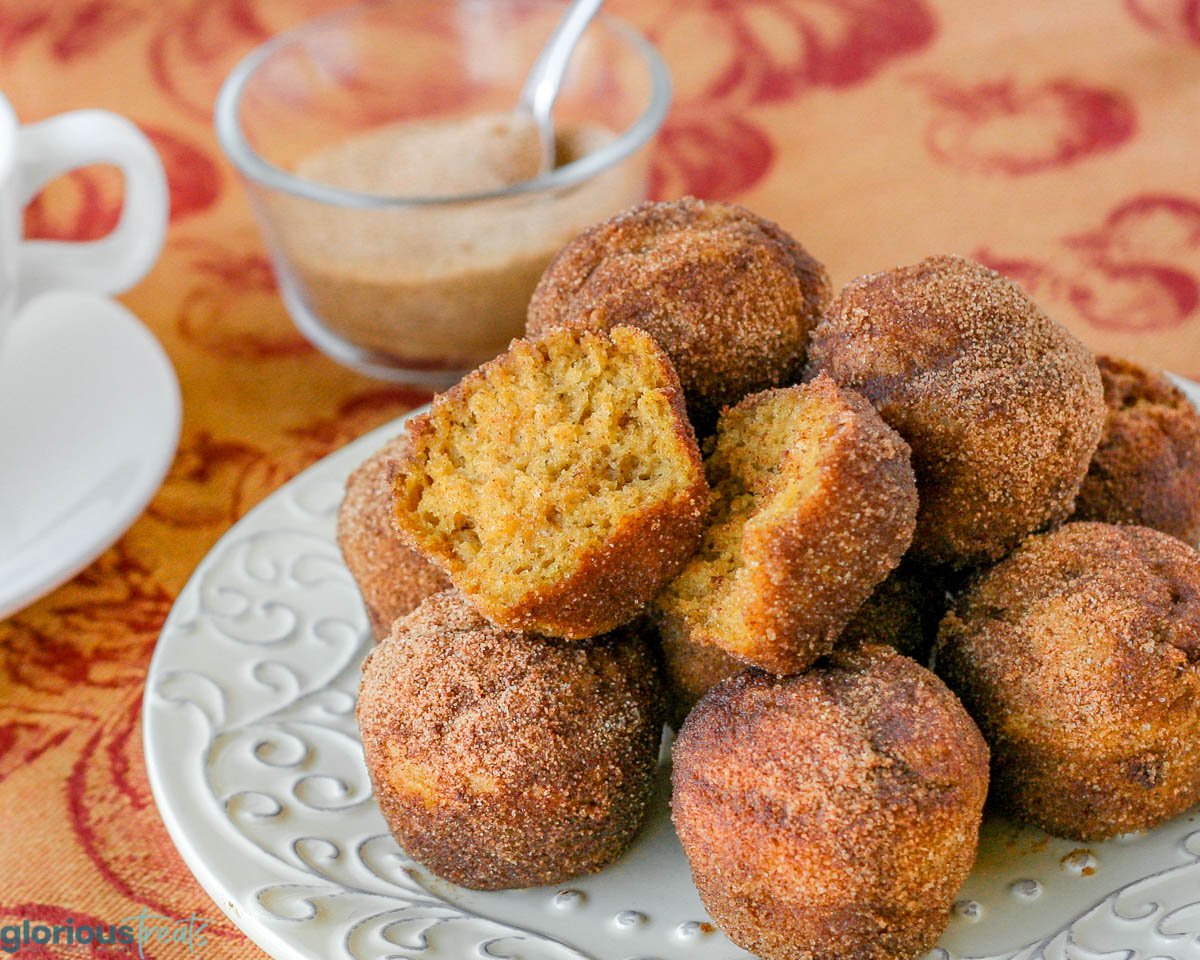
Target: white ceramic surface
(89, 422)
(33, 155)
(255, 763)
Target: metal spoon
(546, 76)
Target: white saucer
(89, 421)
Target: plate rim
(276, 946)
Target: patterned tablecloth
(1058, 142)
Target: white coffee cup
(33, 155)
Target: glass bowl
(404, 283)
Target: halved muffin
(816, 503)
(559, 485)
(903, 612)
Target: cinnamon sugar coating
(903, 612)
(690, 670)
(392, 578)
(1146, 470)
(501, 759)
(1079, 656)
(831, 814)
(1001, 405)
(560, 485)
(731, 297)
(815, 505)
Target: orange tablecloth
(1058, 142)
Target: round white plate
(255, 763)
(89, 422)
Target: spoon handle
(546, 76)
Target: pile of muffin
(705, 490)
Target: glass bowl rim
(255, 167)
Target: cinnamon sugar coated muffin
(903, 612)
(730, 296)
(1079, 656)
(559, 485)
(831, 814)
(502, 759)
(690, 670)
(815, 504)
(1001, 405)
(391, 578)
(1147, 468)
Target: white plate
(89, 422)
(255, 763)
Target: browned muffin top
(730, 296)
(863, 722)
(1079, 656)
(503, 759)
(1146, 470)
(477, 701)
(832, 813)
(1002, 407)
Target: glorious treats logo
(138, 932)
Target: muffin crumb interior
(542, 459)
(764, 465)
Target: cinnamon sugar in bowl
(397, 189)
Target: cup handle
(115, 262)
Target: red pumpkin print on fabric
(1002, 127)
(1177, 21)
(1138, 271)
(758, 52)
